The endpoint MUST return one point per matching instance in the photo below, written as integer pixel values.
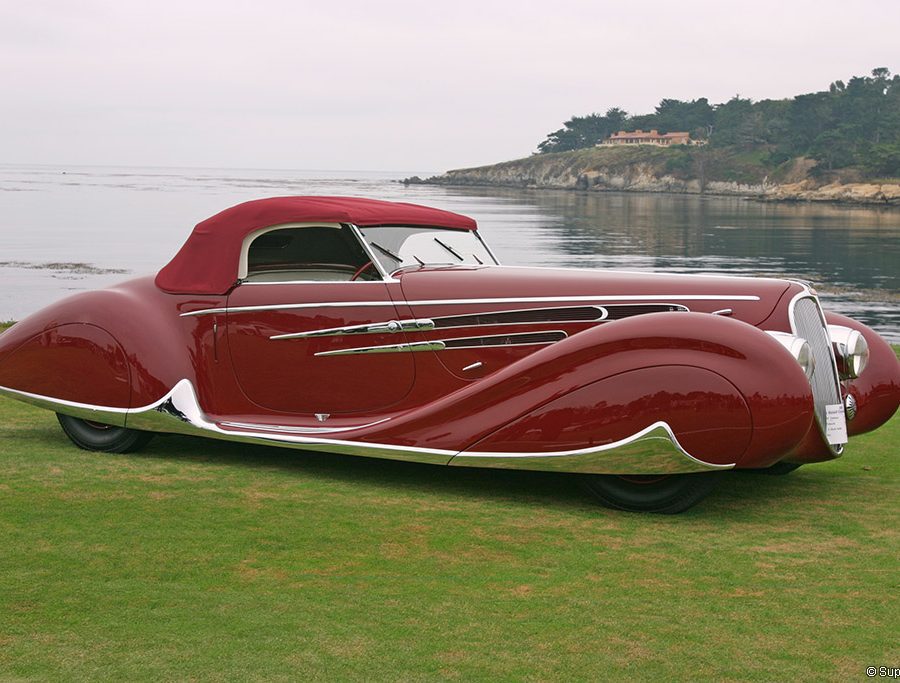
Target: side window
(318, 254)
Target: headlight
(799, 349)
(851, 351)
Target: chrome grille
(809, 323)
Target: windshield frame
(374, 249)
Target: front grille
(809, 323)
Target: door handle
(392, 326)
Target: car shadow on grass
(750, 491)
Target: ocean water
(67, 229)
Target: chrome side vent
(620, 311)
(532, 315)
(523, 339)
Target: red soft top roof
(208, 261)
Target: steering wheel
(362, 269)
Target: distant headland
(837, 145)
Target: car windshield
(398, 247)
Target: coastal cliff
(681, 170)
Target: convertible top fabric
(208, 261)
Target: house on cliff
(653, 137)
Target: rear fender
(122, 347)
(77, 364)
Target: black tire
(93, 436)
(666, 494)
(779, 469)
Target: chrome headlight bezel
(851, 350)
(798, 347)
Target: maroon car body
(389, 330)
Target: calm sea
(66, 229)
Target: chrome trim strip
(441, 344)
(299, 430)
(655, 449)
(487, 248)
(389, 327)
(412, 347)
(651, 273)
(86, 411)
(180, 412)
(316, 282)
(463, 302)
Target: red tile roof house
(640, 137)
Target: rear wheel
(665, 494)
(94, 436)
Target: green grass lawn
(208, 560)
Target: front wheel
(780, 468)
(664, 494)
(94, 436)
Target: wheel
(93, 436)
(665, 494)
(780, 468)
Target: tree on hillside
(584, 131)
(695, 117)
(884, 160)
(834, 147)
(736, 123)
(854, 124)
(809, 116)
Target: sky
(401, 86)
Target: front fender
(877, 389)
(706, 414)
(728, 370)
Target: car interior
(314, 254)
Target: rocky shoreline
(590, 172)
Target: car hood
(493, 287)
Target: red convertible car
(390, 330)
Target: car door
(294, 316)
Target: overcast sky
(387, 85)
